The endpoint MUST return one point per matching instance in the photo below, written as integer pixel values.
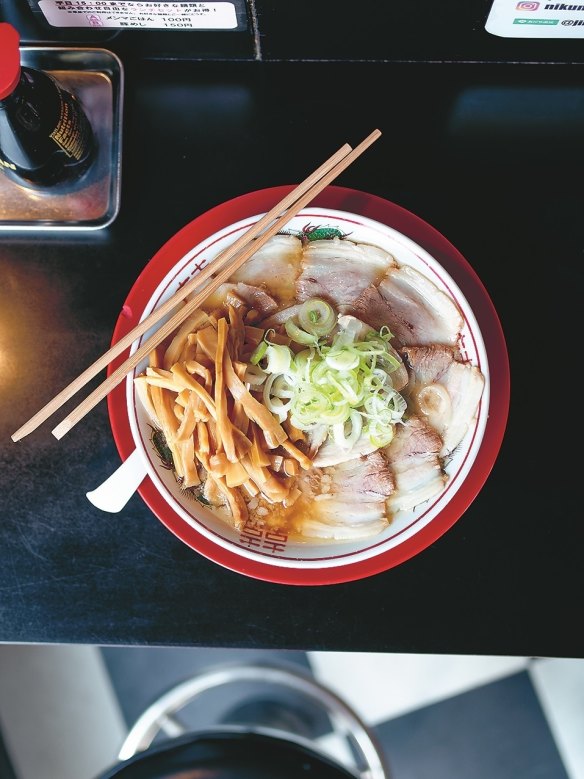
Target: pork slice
(371, 308)
(241, 294)
(257, 298)
(281, 316)
(350, 499)
(420, 312)
(330, 453)
(428, 363)
(365, 478)
(339, 270)
(445, 391)
(338, 526)
(465, 384)
(413, 456)
(275, 266)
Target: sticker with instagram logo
(536, 19)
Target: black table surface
(491, 156)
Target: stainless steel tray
(96, 76)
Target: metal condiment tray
(96, 77)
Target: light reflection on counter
(8, 357)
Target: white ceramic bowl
(262, 552)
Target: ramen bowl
(258, 549)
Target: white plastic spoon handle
(113, 494)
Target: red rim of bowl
(415, 228)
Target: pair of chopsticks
(223, 266)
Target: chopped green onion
(380, 435)
(349, 328)
(279, 358)
(258, 352)
(342, 359)
(346, 434)
(343, 382)
(254, 375)
(300, 336)
(275, 404)
(317, 317)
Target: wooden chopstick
(282, 213)
(168, 327)
(126, 341)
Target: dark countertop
(491, 156)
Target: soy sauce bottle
(46, 139)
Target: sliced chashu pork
(275, 266)
(251, 296)
(444, 390)
(282, 316)
(350, 499)
(339, 270)
(330, 453)
(413, 456)
(413, 308)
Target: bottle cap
(9, 59)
